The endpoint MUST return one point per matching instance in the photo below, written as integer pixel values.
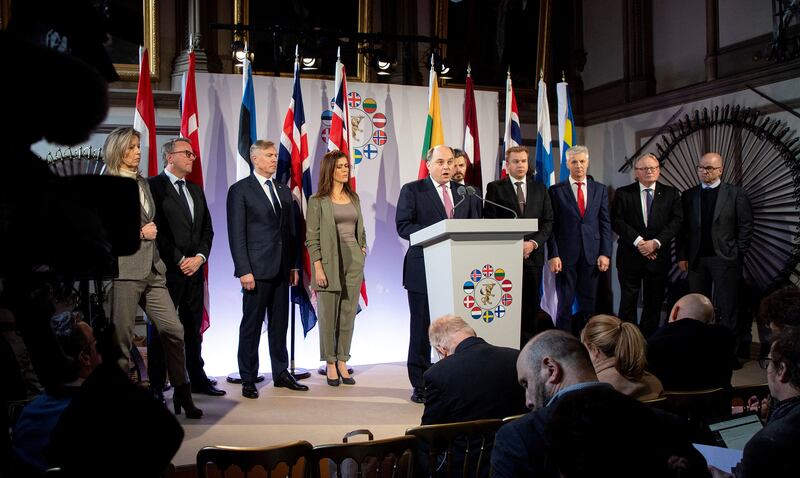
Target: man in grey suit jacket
(715, 237)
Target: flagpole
(298, 373)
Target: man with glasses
(646, 215)
(184, 243)
(715, 237)
(772, 451)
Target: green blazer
(322, 240)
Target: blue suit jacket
(593, 229)
(418, 207)
(261, 243)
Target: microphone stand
(473, 192)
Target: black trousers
(531, 298)
(270, 297)
(576, 282)
(653, 284)
(187, 295)
(419, 347)
(718, 279)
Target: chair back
(291, 455)
(661, 403)
(389, 457)
(466, 447)
(513, 417)
(698, 407)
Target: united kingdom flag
(354, 100)
(488, 270)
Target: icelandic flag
(513, 133)
(338, 139)
(247, 122)
(566, 127)
(189, 130)
(471, 143)
(434, 134)
(294, 171)
(144, 117)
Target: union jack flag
(338, 138)
(488, 270)
(354, 100)
(293, 170)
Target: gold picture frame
(130, 71)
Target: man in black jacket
(646, 215)
(184, 244)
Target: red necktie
(581, 200)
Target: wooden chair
(698, 407)
(248, 458)
(661, 403)
(466, 443)
(513, 417)
(390, 457)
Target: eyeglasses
(708, 169)
(189, 154)
(764, 362)
(649, 169)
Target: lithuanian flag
(434, 135)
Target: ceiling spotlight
(382, 62)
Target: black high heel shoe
(345, 380)
(333, 382)
(182, 397)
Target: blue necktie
(649, 203)
(182, 194)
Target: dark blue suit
(262, 243)
(578, 242)
(418, 207)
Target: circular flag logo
(379, 120)
(370, 105)
(379, 138)
(357, 155)
(353, 100)
(487, 293)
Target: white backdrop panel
(381, 330)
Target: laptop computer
(734, 432)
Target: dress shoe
(418, 395)
(287, 380)
(249, 390)
(208, 389)
(182, 398)
(333, 382)
(345, 380)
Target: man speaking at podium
(423, 203)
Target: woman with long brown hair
(619, 354)
(336, 246)
(141, 279)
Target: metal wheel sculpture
(72, 162)
(760, 154)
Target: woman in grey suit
(337, 246)
(141, 280)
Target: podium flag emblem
(487, 293)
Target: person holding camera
(141, 280)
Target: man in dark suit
(184, 243)
(580, 246)
(422, 203)
(519, 192)
(646, 215)
(461, 387)
(715, 237)
(691, 352)
(261, 232)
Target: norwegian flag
(293, 170)
(338, 138)
(189, 130)
(513, 134)
(472, 145)
(144, 118)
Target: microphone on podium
(461, 191)
(474, 192)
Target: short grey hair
(444, 328)
(429, 154)
(261, 144)
(645, 156)
(169, 147)
(576, 150)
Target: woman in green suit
(336, 246)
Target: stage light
(382, 62)
(310, 64)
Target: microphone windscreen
(471, 190)
(461, 190)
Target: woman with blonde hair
(337, 246)
(141, 280)
(619, 354)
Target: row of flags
(293, 155)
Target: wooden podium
(473, 268)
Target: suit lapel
(174, 196)
(261, 194)
(510, 191)
(722, 199)
(433, 196)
